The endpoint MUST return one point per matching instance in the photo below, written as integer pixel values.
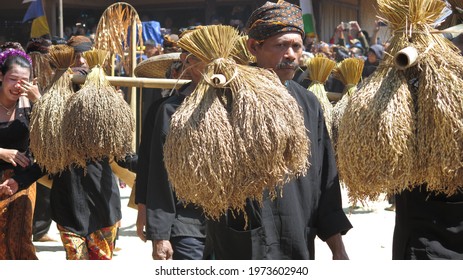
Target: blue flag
(35, 10)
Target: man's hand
(337, 247)
(9, 187)
(162, 250)
(141, 221)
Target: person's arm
(141, 221)
(360, 36)
(33, 173)
(19, 182)
(160, 198)
(14, 157)
(332, 221)
(336, 35)
(341, 39)
(337, 248)
(374, 36)
(129, 162)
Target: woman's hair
(11, 57)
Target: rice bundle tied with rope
(46, 141)
(238, 134)
(98, 122)
(349, 72)
(319, 68)
(404, 127)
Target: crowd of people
(85, 204)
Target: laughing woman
(16, 205)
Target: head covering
(156, 66)
(150, 42)
(170, 43)
(273, 18)
(80, 43)
(40, 45)
(11, 45)
(378, 50)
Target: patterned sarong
(98, 245)
(16, 213)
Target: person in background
(374, 56)
(177, 230)
(151, 49)
(285, 227)
(37, 48)
(428, 225)
(80, 44)
(144, 150)
(16, 204)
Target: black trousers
(42, 213)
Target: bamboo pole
(133, 90)
(136, 82)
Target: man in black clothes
(285, 227)
(177, 231)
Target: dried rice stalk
(229, 142)
(241, 53)
(41, 69)
(376, 141)
(405, 128)
(47, 114)
(113, 29)
(98, 123)
(320, 69)
(349, 72)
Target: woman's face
(10, 88)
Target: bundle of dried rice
(46, 133)
(241, 53)
(404, 127)
(98, 123)
(42, 70)
(320, 68)
(113, 29)
(349, 72)
(238, 134)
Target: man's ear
(252, 45)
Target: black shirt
(285, 228)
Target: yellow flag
(39, 27)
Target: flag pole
(61, 31)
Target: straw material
(112, 33)
(46, 132)
(156, 66)
(349, 72)
(98, 123)
(231, 141)
(405, 128)
(320, 69)
(241, 53)
(41, 69)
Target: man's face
(193, 67)
(151, 50)
(280, 52)
(79, 60)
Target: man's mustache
(286, 65)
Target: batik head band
(273, 18)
